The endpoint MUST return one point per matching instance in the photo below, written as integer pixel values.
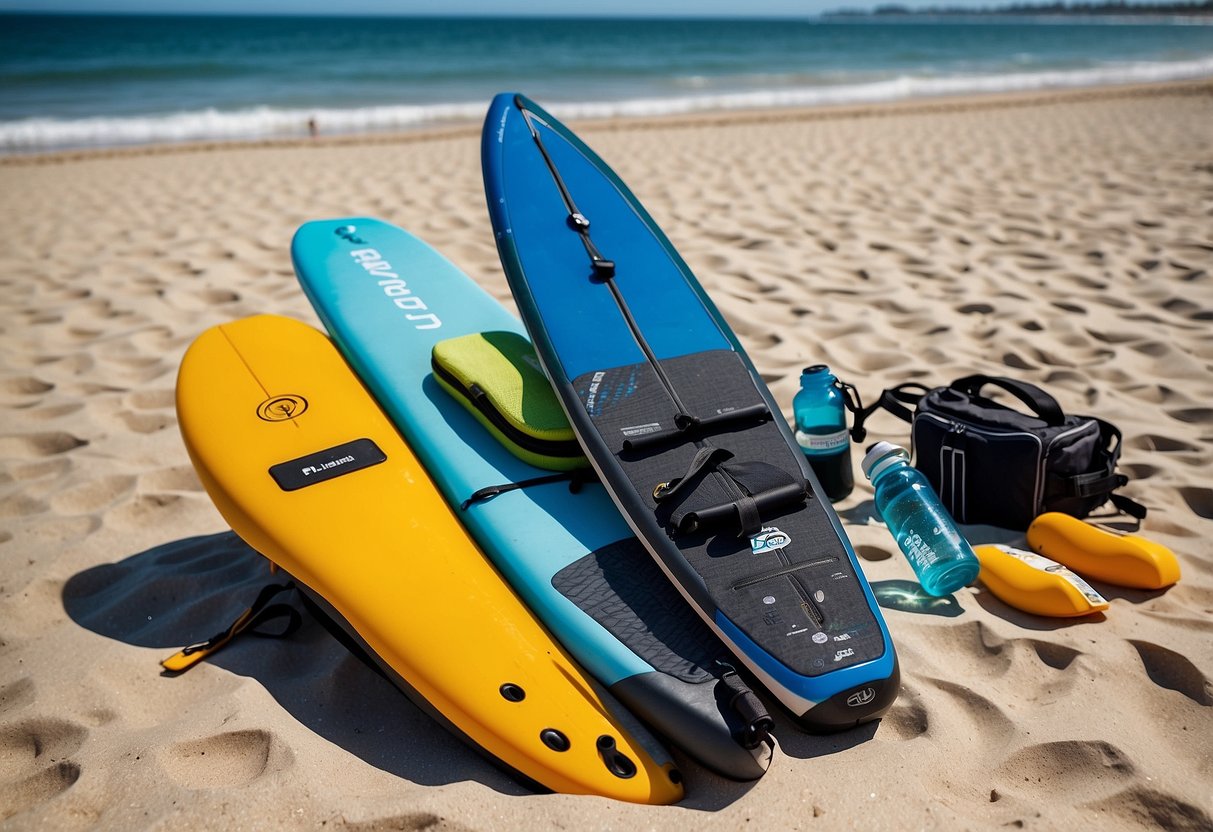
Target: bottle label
(918, 550)
(1045, 565)
(820, 443)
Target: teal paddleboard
(387, 298)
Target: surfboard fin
(259, 613)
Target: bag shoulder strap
(897, 400)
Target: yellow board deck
(306, 468)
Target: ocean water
(77, 81)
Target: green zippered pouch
(498, 378)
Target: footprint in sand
(21, 505)
(54, 411)
(411, 822)
(177, 478)
(1140, 470)
(1200, 500)
(16, 695)
(215, 297)
(1180, 306)
(146, 422)
(93, 495)
(1055, 771)
(30, 445)
(1192, 415)
(27, 386)
(151, 399)
(1156, 442)
(34, 764)
(144, 511)
(1029, 659)
(1170, 670)
(235, 758)
(40, 468)
(1015, 362)
(1066, 377)
(27, 793)
(982, 716)
(1141, 807)
(1154, 349)
(57, 530)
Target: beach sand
(1063, 239)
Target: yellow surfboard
(306, 468)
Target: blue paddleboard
(678, 424)
(387, 298)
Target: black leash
(604, 269)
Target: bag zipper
(957, 430)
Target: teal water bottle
(821, 431)
(941, 557)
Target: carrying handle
(1040, 402)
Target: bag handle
(1040, 402)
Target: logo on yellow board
(282, 408)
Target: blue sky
(554, 8)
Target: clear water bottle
(821, 431)
(941, 557)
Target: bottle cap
(881, 456)
(817, 374)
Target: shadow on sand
(187, 590)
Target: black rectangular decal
(327, 464)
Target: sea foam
(36, 134)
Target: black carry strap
(753, 487)
(897, 400)
(705, 457)
(575, 479)
(1040, 402)
(261, 612)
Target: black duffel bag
(993, 464)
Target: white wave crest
(203, 125)
(36, 134)
(902, 87)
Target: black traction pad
(802, 601)
(621, 588)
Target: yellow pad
(496, 376)
(1035, 584)
(1121, 559)
(307, 469)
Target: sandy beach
(1065, 239)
